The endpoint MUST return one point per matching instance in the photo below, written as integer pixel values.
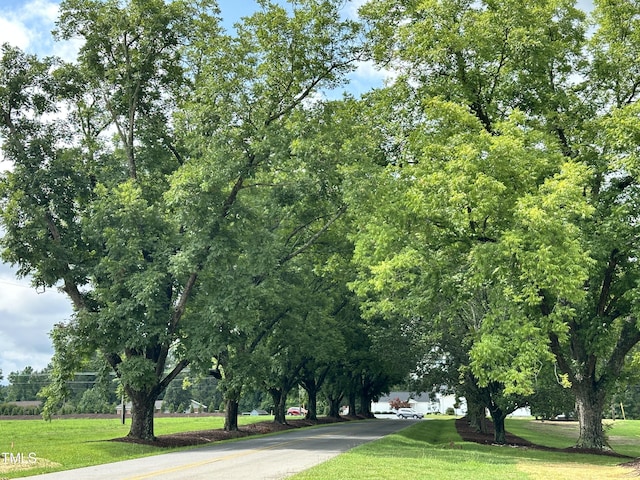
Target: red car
(296, 411)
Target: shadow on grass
(441, 438)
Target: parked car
(408, 413)
(296, 411)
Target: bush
(396, 403)
(10, 409)
(93, 401)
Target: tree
(177, 396)
(302, 345)
(321, 344)
(139, 201)
(206, 390)
(449, 328)
(95, 401)
(94, 219)
(515, 154)
(286, 195)
(552, 397)
(26, 383)
(299, 205)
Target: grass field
(433, 450)
(429, 449)
(64, 444)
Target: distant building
(256, 412)
(432, 404)
(196, 407)
(26, 403)
(127, 406)
(422, 402)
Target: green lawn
(433, 450)
(428, 449)
(63, 444)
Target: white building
(434, 404)
(423, 403)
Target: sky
(26, 315)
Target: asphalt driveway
(270, 457)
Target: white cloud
(351, 8)
(46, 10)
(368, 71)
(28, 25)
(367, 76)
(14, 32)
(68, 50)
(26, 318)
(586, 5)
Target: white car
(408, 413)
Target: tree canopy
(509, 175)
(157, 177)
(201, 203)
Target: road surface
(270, 457)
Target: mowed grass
(63, 444)
(432, 449)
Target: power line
(16, 284)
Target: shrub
(396, 403)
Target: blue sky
(27, 316)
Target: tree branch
(556, 349)
(315, 236)
(629, 337)
(603, 301)
(70, 288)
(173, 374)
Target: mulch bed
(200, 437)
(469, 434)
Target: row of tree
(203, 204)
(91, 392)
(95, 392)
(512, 192)
(23, 385)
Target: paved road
(272, 457)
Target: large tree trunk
(500, 434)
(311, 384)
(478, 400)
(279, 403)
(334, 405)
(231, 411)
(477, 417)
(142, 411)
(589, 388)
(589, 408)
(365, 405)
(312, 405)
(352, 403)
(231, 415)
(498, 414)
(143, 400)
